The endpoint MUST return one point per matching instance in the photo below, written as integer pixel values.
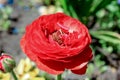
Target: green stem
(59, 77)
(14, 75)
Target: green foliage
(82, 9)
(96, 67)
(108, 36)
(109, 17)
(4, 14)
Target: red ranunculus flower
(57, 42)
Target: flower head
(7, 63)
(57, 42)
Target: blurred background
(102, 17)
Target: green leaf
(103, 69)
(98, 62)
(64, 5)
(99, 4)
(90, 69)
(107, 36)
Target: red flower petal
(47, 66)
(77, 60)
(26, 49)
(80, 70)
(52, 67)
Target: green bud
(7, 63)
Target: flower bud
(7, 63)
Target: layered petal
(50, 66)
(77, 60)
(80, 70)
(57, 42)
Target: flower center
(57, 36)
